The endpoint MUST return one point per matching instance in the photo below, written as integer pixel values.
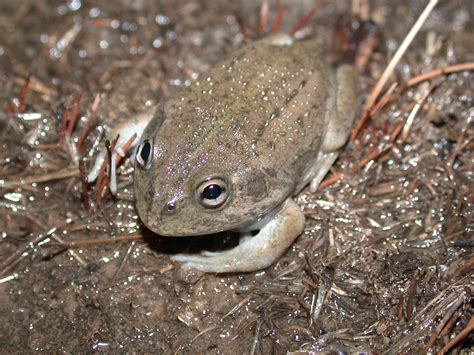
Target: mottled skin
(266, 121)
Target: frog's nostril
(149, 195)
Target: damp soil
(385, 261)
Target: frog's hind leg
(341, 108)
(257, 252)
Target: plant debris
(385, 263)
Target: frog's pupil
(145, 152)
(211, 192)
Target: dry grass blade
(70, 171)
(124, 260)
(98, 241)
(64, 119)
(426, 316)
(37, 86)
(456, 68)
(104, 174)
(278, 18)
(22, 96)
(391, 66)
(263, 18)
(444, 321)
(468, 265)
(383, 100)
(458, 338)
(74, 115)
(90, 122)
(371, 155)
(395, 132)
(331, 180)
(31, 243)
(73, 253)
(411, 117)
(302, 22)
(84, 186)
(122, 151)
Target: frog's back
(265, 106)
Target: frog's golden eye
(145, 154)
(212, 193)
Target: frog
(233, 150)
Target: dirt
(385, 262)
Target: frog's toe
(212, 253)
(280, 39)
(99, 160)
(192, 261)
(256, 253)
(324, 163)
(223, 262)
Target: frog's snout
(157, 211)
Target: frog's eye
(144, 154)
(212, 193)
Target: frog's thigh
(342, 111)
(258, 252)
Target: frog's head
(180, 195)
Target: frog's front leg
(257, 252)
(125, 130)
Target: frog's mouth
(259, 223)
(196, 228)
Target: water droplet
(44, 38)
(103, 44)
(74, 5)
(157, 42)
(162, 20)
(94, 12)
(115, 24)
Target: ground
(384, 264)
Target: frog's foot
(125, 131)
(255, 253)
(318, 170)
(279, 39)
